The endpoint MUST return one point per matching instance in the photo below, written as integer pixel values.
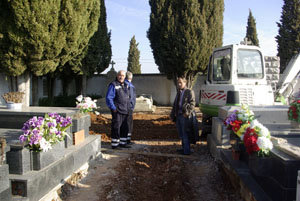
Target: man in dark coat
(183, 113)
(118, 101)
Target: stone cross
(112, 63)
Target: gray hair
(129, 75)
(121, 72)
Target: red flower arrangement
(250, 141)
(294, 110)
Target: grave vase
(260, 166)
(238, 148)
(14, 106)
(81, 122)
(39, 160)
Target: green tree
(95, 57)
(288, 38)
(251, 30)
(42, 36)
(182, 35)
(98, 53)
(133, 58)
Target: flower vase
(235, 149)
(295, 124)
(235, 154)
(14, 106)
(42, 159)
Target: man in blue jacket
(118, 101)
(132, 105)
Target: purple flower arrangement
(40, 133)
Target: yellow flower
(242, 130)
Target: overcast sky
(126, 18)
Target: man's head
(129, 76)
(181, 82)
(121, 76)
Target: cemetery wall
(162, 90)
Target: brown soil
(152, 169)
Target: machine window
(222, 65)
(249, 64)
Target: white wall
(163, 91)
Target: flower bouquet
(86, 104)
(239, 119)
(257, 139)
(293, 113)
(40, 133)
(254, 136)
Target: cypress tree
(251, 30)
(98, 53)
(133, 58)
(39, 36)
(182, 35)
(288, 38)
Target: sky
(128, 18)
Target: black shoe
(116, 148)
(125, 146)
(130, 143)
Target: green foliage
(133, 58)
(98, 53)
(288, 38)
(183, 34)
(251, 30)
(39, 36)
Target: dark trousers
(119, 129)
(130, 126)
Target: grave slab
(35, 184)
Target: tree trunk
(23, 85)
(35, 90)
(78, 84)
(84, 81)
(65, 85)
(50, 86)
(12, 83)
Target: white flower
(53, 129)
(45, 145)
(87, 99)
(97, 113)
(264, 143)
(254, 123)
(79, 98)
(264, 131)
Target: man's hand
(114, 111)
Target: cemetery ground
(152, 169)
